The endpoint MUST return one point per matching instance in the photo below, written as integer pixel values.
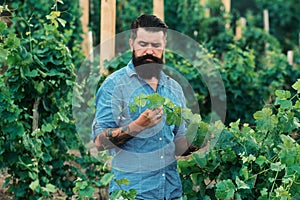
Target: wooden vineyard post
(84, 5)
(290, 57)
(108, 30)
(241, 23)
(206, 10)
(266, 27)
(158, 8)
(227, 5)
(90, 46)
(266, 21)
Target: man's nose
(149, 50)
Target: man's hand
(149, 118)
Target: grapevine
(175, 115)
(244, 162)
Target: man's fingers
(158, 116)
(150, 118)
(146, 115)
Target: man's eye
(156, 45)
(143, 44)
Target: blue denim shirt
(147, 160)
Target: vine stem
(273, 185)
(35, 114)
(261, 172)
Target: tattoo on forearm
(120, 135)
(115, 137)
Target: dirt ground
(4, 195)
(99, 194)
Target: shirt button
(163, 174)
(161, 157)
(160, 139)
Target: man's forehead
(149, 34)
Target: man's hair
(149, 23)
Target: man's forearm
(182, 145)
(113, 137)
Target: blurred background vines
(40, 54)
(40, 150)
(251, 70)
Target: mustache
(148, 56)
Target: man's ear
(131, 44)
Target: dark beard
(147, 69)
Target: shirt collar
(131, 72)
(130, 69)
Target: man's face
(147, 52)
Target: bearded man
(142, 144)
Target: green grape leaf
(33, 73)
(297, 104)
(284, 104)
(283, 94)
(130, 195)
(47, 127)
(277, 167)
(241, 184)
(39, 87)
(132, 108)
(187, 114)
(3, 25)
(140, 100)
(261, 160)
(265, 120)
(225, 189)
(122, 181)
(62, 21)
(3, 54)
(49, 188)
(296, 86)
(264, 191)
(244, 172)
(155, 101)
(87, 192)
(169, 103)
(115, 194)
(106, 179)
(200, 158)
(34, 185)
(173, 118)
(191, 131)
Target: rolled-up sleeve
(104, 113)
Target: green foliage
(173, 113)
(31, 15)
(249, 80)
(254, 157)
(225, 189)
(130, 194)
(282, 19)
(238, 72)
(252, 67)
(241, 158)
(127, 11)
(257, 162)
(283, 16)
(37, 127)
